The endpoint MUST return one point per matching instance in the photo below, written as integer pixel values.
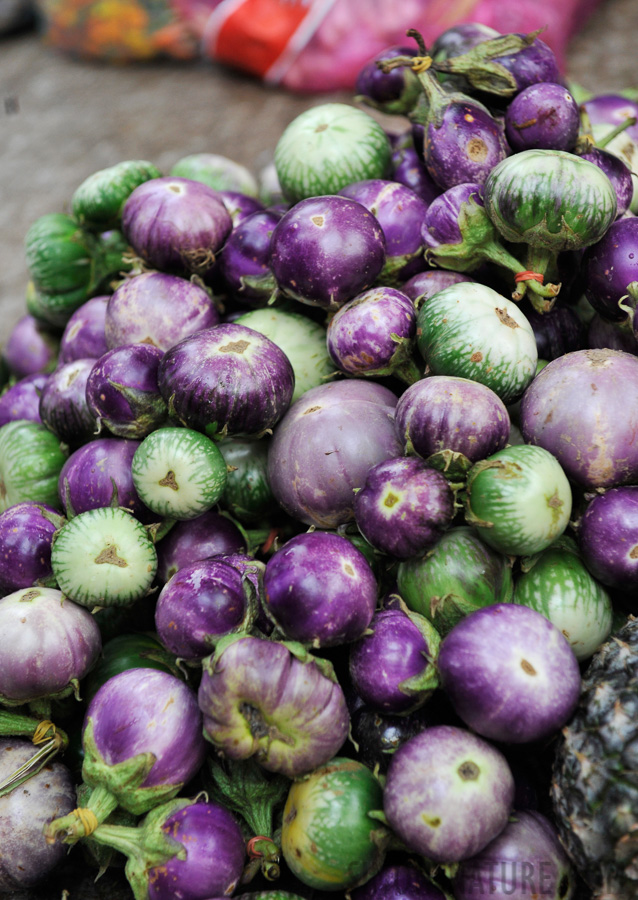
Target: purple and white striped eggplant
(64, 408)
(26, 535)
(227, 380)
(404, 506)
(22, 399)
(158, 309)
(373, 335)
(272, 701)
(319, 590)
(83, 336)
(326, 250)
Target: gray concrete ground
(61, 120)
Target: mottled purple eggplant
(26, 535)
(611, 266)
(608, 536)
(83, 336)
(542, 115)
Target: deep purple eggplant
(158, 309)
(210, 534)
(227, 380)
(272, 701)
(326, 250)
(448, 793)
(616, 170)
(611, 266)
(393, 665)
(374, 335)
(525, 859)
(64, 409)
(176, 224)
(22, 399)
(424, 285)
(399, 881)
(239, 205)
(49, 645)
(201, 603)
(330, 438)
(404, 506)
(377, 736)
(603, 334)
(99, 474)
(408, 169)
(510, 674)
(30, 347)
(83, 336)
(542, 115)
(244, 259)
(446, 413)
(320, 590)
(557, 331)
(26, 859)
(26, 535)
(122, 391)
(394, 92)
(608, 537)
(583, 408)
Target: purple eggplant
(49, 645)
(142, 741)
(424, 285)
(608, 536)
(22, 399)
(581, 408)
(26, 535)
(448, 793)
(603, 334)
(244, 259)
(446, 413)
(611, 266)
(394, 92)
(201, 603)
(184, 848)
(510, 674)
(26, 859)
(542, 115)
(320, 590)
(399, 881)
(272, 701)
(612, 109)
(83, 336)
(400, 212)
(158, 309)
(404, 506)
(239, 205)
(227, 380)
(374, 335)
(616, 170)
(122, 391)
(326, 250)
(30, 347)
(525, 859)
(408, 169)
(377, 736)
(99, 474)
(210, 534)
(64, 409)
(176, 224)
(557, 331)
(329, 439)
(393, 665)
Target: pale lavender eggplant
(158, 309)
(49, 645)
(330, 438)
(444, 412)
(408, 169)
(200, 603)
(398, 882)
(244, 259)
(558, 331)
(98, 474)
(394, 92)
(83, 336)
(448, 793)
(176, 224)
(211, 534)
(64, 409)
(400, 212)
(26, 859)
(30, 347)
(22, 399)
(424, 285)
(229, 379)
(525, 859)
(510, 674)
(326, 250)
(603, 334)
(618, 173)
(239, 205)
(26, 535)
(404, 507)
(608, 537)
(373, 335)
(122, 391)
(258, 698)
(583, 408)
(544, 116)
(392, 666)
(610, 265)
(320, 590)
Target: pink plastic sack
(321, 45)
